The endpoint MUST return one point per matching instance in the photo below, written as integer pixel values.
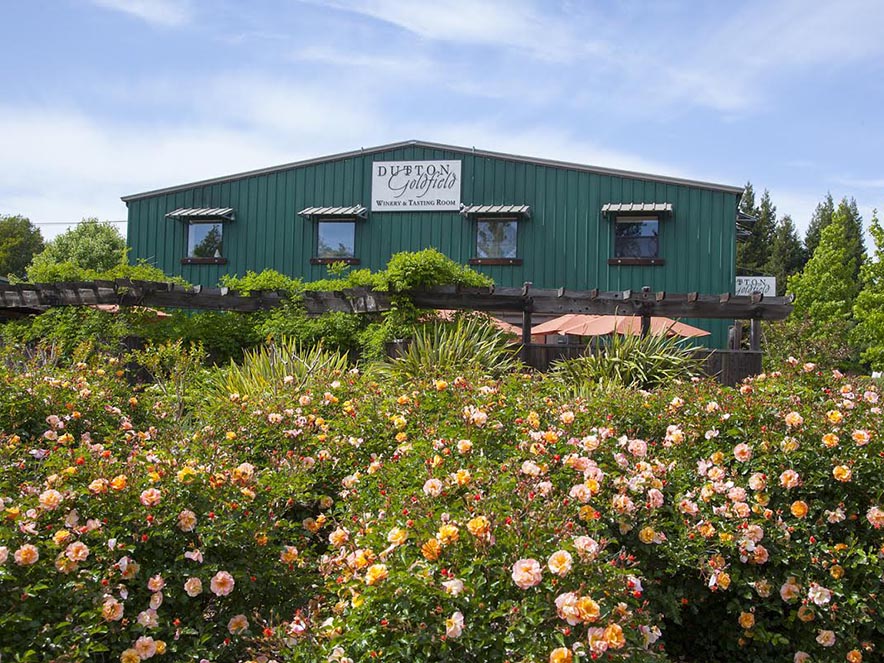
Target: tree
(868, 310)
(91, 245)
(822, 217)
(20, 240)
(786, 253)
(754, 253)
(827, 287)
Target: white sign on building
(399, 186)
(766, 285)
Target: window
(336, 240)
(636, 237)
(204, 240)
(496, 238)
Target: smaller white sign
(399, 186)
(766, 285)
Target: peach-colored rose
(99, 486)
(826, 638)
(433, 487)
(793, 420)
(875, 516)
(747, 620)
(454, 586)
(112, 610)
(156, 583)
(186, 520)
(431, 549)
(743, 452)
(119, 482)
(613, 635)
(193, 587)
(799, 508)
(339, 537)
(77, 551)
(237, 624)
(146, 647)
(527, 573)
(151, 497)
(130, 656)
(27, 555)
(861, 437)
(448, 534)
(560, 563)
(222, 583)
(50, 499)
(288, 555)
(790, 479)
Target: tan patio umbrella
(603, 325)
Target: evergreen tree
(856, 243)
(827, 287)
(822, 217)
(786, 253)
(868, 310)
(753, 254)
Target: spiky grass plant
(632, 361)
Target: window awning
(351, 212)
(197, 213)
(637, 208)
(496, 210)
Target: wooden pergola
(17, 300)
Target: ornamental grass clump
(633, 361)
(468, 345)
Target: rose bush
(342, 517)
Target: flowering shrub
(451, 518)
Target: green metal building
(515, 218)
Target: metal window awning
(195, 213)
(496, 210)
(351, 212)
(637, 208)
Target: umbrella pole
(646, 324)
(526, 333)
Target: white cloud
(166, 13)
(515, 24)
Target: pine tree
(822, 217)
(786, 253)
(753, 254)
(868, 310)
(827, 287)
(855, 241)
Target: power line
(68, 223)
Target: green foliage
(868, 309)
(268, 280)
(823, 216)
(92, 246)
(633, 361)
(469, 345)
(800, 336)
(427, 268)
(826, 288)
(20, 240)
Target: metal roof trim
(226, 213)
(665, 208)
(477, 210)
(354, 211)
(440, 146)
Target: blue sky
(103, 98)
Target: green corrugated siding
(565, 243)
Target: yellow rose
(747, 620)
(375, 574)
(561, 655)
(836, 571)
(448, 534)
(479, 526)
(646, 535)
(431, 550)
(397, 536)
(799, 508)
(842, 473)
(614, 637)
